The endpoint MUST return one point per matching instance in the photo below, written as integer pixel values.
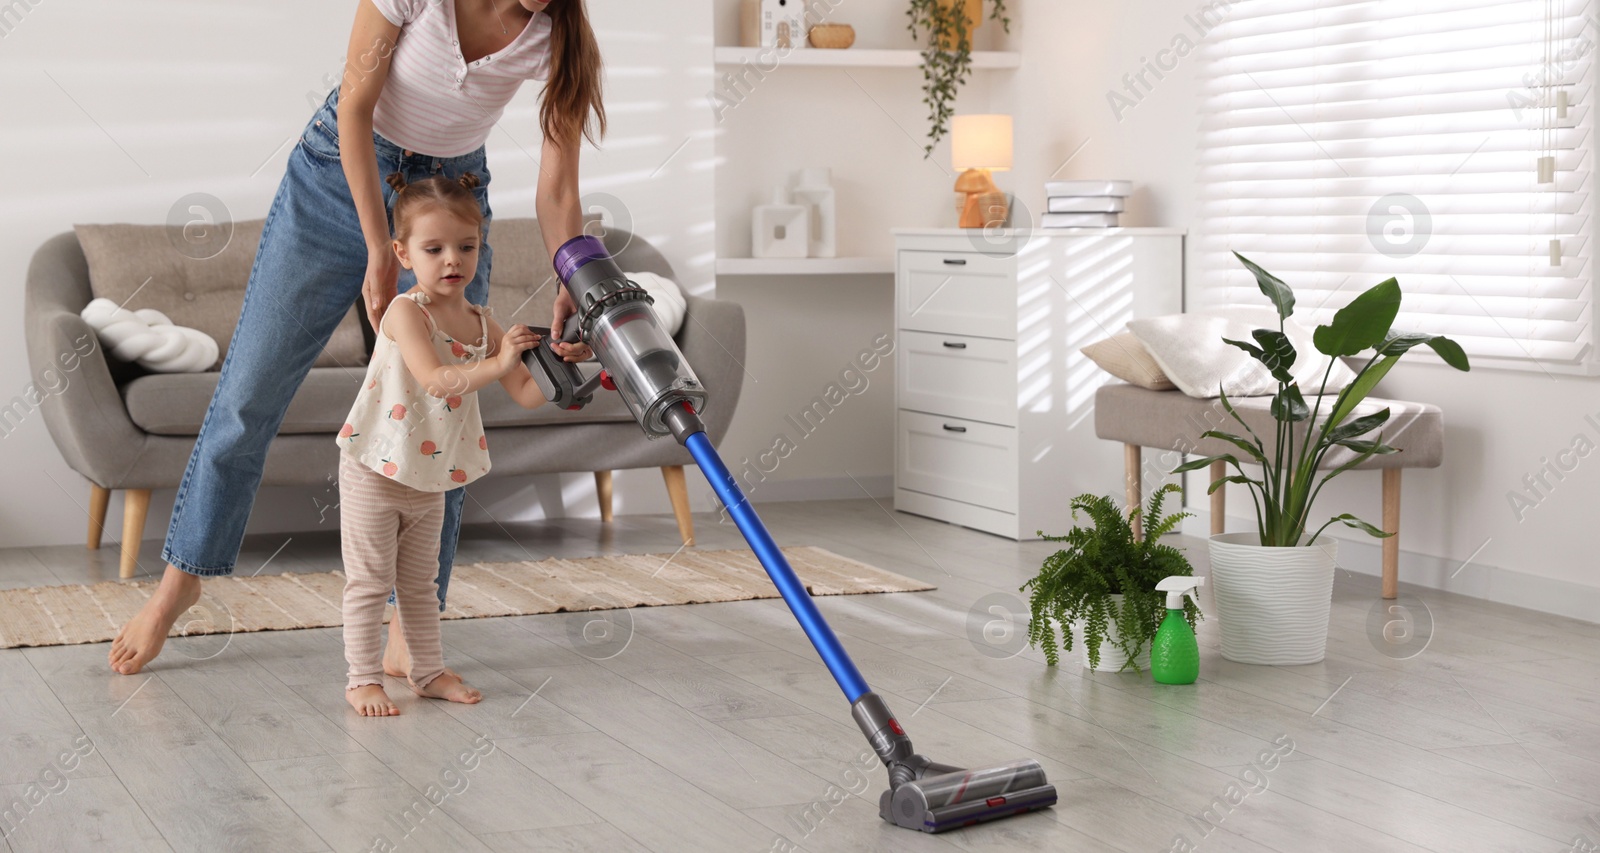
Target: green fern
(1100, 561)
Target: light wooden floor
(715, 727)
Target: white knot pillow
(146, 336)
(669, 302)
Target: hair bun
(470, 180)
(396, 181)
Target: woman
(424, 82)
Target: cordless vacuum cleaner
(640, 361)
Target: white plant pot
(1272, 603)
(1111, 655)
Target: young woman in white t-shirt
(424, 82)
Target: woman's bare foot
(369, 700)
(396, 657)
(450, 687)
(141, 639)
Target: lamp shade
(981, 142)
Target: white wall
(115, 110)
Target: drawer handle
(956, 262)
(952, 428)
(955, 344)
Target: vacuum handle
(560, 381)
(571, 330)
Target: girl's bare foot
(450, 687)
(369, 700)
(141, 639)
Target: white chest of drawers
(994, 404)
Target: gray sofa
(125, 429)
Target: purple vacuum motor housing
(575, 253)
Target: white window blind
(1346, 142)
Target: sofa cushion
(153, 266)
(175, 404)
(1172, 420)
(522, 285)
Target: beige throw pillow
(153, 266)
(1124, 357)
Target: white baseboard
(880, 487)
(1475, 580)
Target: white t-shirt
(435, 102)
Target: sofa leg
(602, 491)
(1391, 524)
(99, 499)
(678, 491)
(1132, 461)
(1219, 499)
(135, 505)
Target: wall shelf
(805, 266)
(852, 57)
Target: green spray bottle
(1174, 653)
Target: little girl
(415, 433)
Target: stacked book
(1084, 204)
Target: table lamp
(980, 144)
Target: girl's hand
(378, 288)
(518, 340)
(575, 352)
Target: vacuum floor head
(934, 797)
(965, 797)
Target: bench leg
(1219, 499)
(678, 491)
(1132, 462)
(602, 491)
(1391, 524)
(135, 505)
(99, 499)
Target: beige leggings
(389, 536)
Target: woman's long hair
(572, 103)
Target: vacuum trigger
(606, 381)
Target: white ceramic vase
(1272, 603)
(779, 229)
(815, 190)
(1111, 655)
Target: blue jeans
(308, 273)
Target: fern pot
(1112, 657)
(1273, 604)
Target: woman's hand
(563, 309)
(518, 340)
(378, 288)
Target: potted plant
(1104, 585)
(1274, 586)
(945, 29)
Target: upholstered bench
(1172, 420)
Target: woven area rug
(66, 615)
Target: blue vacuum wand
(642, 363)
